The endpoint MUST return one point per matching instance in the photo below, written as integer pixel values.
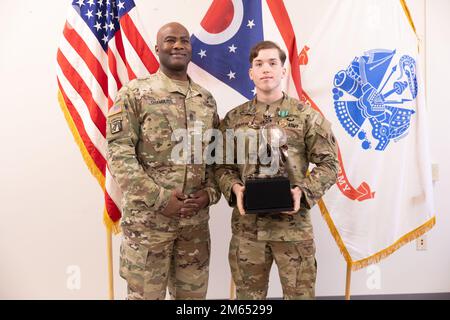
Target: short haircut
(266, 45)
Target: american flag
(102, 48)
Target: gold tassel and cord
(111, 226)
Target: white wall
(51, 207)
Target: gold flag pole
(232, 290)
(347, 281)
(110, 263)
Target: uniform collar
(172, 86)
(254, 102)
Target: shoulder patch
(211, 102)
(116, 125)
(115, 109)
(300, 106)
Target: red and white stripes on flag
(102, 48)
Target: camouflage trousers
(251, 261)
(177, 260)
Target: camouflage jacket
(309, 140)
(139, 134)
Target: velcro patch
(116, 125)
(210, 102)
(115, 110)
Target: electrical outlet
(421, 243)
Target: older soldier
(165, 200)
(258, 239)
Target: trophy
(268, 190)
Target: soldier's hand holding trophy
(268, 190)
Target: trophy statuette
(268, 190)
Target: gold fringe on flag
(408, 15)
(375, 258)
(411, 22)
(416, 233)
(111, 225)
(334, 232)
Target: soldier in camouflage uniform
(258, 239)
(166, 241)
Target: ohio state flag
(221, 46)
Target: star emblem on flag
(242, 29)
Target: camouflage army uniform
(157, 250)
(257, 238)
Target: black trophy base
(268, 195)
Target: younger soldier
(258, 239)
(165, 201)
